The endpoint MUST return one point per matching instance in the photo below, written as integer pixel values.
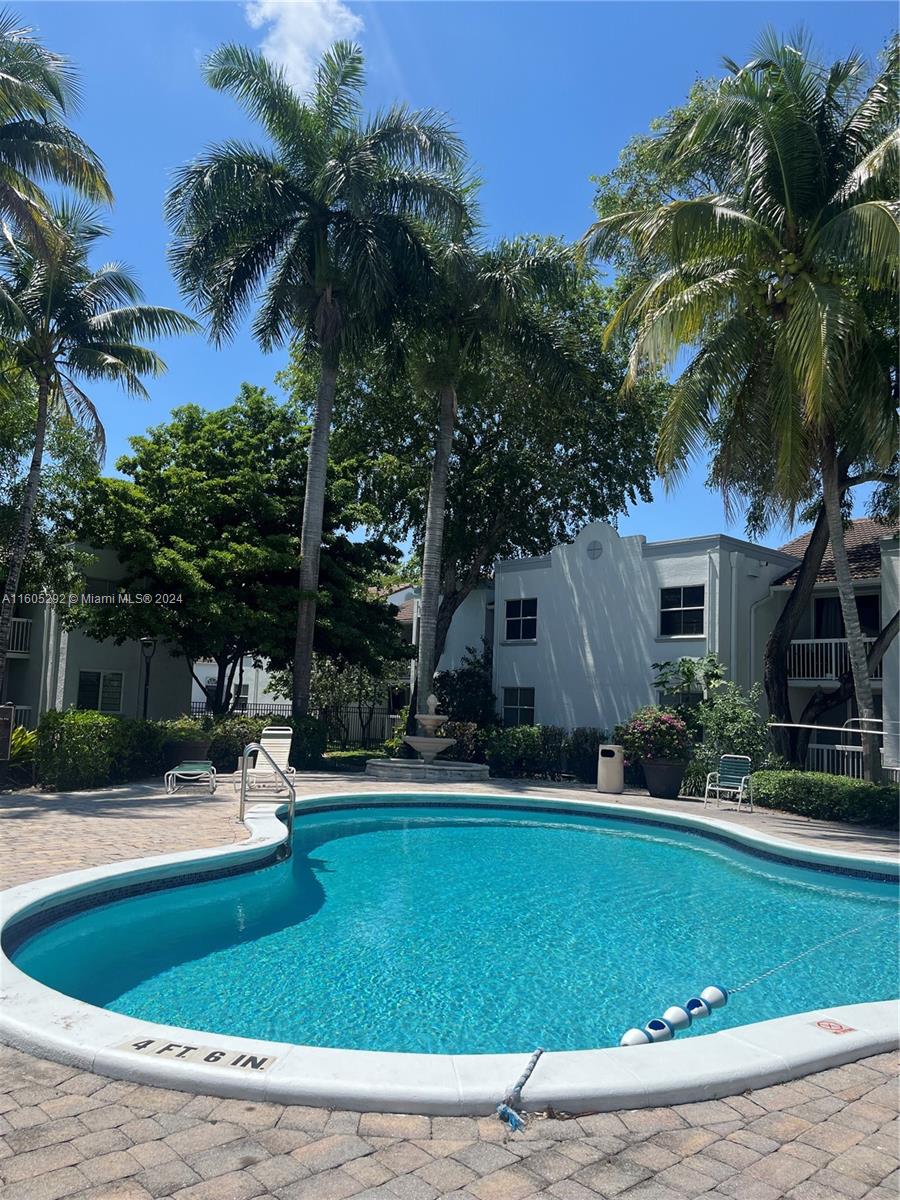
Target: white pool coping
(47, 1023)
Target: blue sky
(544, 93)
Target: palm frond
(339, 82)
(864, 239)
(262, 90)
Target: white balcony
(20, 637)
(819, 660)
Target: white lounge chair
(276, 741)
(731, 781)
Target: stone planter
(664, 777)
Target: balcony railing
(20, 636)
(22, 716)
(843, 760)
(823, 658)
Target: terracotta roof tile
(405, 611)
(862, 539)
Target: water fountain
(426, 768)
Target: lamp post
(148, 649)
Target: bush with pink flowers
(654, 733)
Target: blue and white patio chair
(731, 781)
(201, 771)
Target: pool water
(470, 930)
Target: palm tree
(37, 88)
(774, 287)
(483, 295)
(65, 324)
(323, 227)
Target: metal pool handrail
(255, 747)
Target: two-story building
(53, 666)
(574, 633)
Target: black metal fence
(200, 708)
(349, 726)
(358, 727)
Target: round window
(595, 549)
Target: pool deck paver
(69, 1133)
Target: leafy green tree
(466, 693)
(482, 295)
(773, 285)
(323, 227)
(210, 514)
(66, 323)
(524, 474)
(37, 88)
(53, 561)
(648, 175)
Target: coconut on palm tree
(65, 325)
(322, 226)
(37, 88)
(776, 288)
(483, 295)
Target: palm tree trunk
(434, 543)
(26, 516)
(775, 659)
(856, 649)
(311, 533)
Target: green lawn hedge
(77, 750)
(84, 749)
(827, 797)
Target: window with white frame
(681, 610)
(518, 706)
(521, 620)
(100, 690)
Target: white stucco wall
(48, 678)
(467, 629)
(598, 619)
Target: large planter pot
(195, 750)
(664, 777)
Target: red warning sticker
(834, 1027)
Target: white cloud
(298, 31)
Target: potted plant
(187, 739)
(659, 740)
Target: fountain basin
(417, 770)
(429, 747)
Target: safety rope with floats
(510, 1109)
(679, 1017)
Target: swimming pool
(476, 930)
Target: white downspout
(732, 655)
(712, 642)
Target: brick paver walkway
(832, 1136)
(65, 1133)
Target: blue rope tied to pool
(510, 1109)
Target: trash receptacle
(611, 769)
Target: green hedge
(827, 797)
(582, 748)
(229, 736)
(527, 750)
(471, 741)
(77, 750)
(349, 760)
(84, 749)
